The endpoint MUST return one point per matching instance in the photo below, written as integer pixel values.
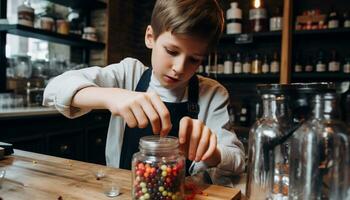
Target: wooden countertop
(37, 176)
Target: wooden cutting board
(41, 177)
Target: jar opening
(157, 143)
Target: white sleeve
(61, 89)
(215, 115)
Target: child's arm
(136, 108)
(75, 93)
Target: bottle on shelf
(346, 20)
(238, 67)
(256, 65)
(334, 64)
(244, 115)
(333, 19)
(297, 65)
(220, 64)
(346, 66)
(276, 20)
(265, 68)
(275, 63)
(258, 16)
(309, 67)
(228, 64)
(247, 67)
(25, 14)
(234, 19)
(320, 62)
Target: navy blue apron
(177, 112)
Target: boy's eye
(195, 60)
(170, 52)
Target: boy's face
(175, 58)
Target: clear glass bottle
(268, 165)
(158, 169)
(319, 157)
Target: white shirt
(213, 101)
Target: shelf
(297, 34)
(81, 4)
(326, 32)
(246, 38)
(327, 76)
(245, 77)
(72, 40)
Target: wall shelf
(72, 40)
(245, 77)
(254, 36)
(325, 32)
(326, 76)
(81, 4)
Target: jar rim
(158, 143)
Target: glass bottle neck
(274, 107)
(325, 107)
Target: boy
(168, 99)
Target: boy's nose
(179, 65)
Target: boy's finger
(196, 135)
(211, 148)
(203, 144)
(140, 116)
(129, 118)
(152, 115)
(163, 113)
(184, 127)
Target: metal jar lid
(157, 143)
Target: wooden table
(41, 177)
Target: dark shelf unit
(72, 40)
(81, 4)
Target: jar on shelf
(158, 169)
(25, 14)
(23, 67)
(47, 23)
(62, 26)
(90, 33)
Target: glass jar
(158, 169)
(23, 66)
(268, 165)
(319, 158)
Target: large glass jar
(268, 164)
(158, 169)
(319, 158)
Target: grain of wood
(41, 177)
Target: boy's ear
(149, 39)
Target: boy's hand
(140, 108)
(198, 142)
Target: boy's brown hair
(198, 18)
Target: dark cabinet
(96, 142)
(83, 138)
(67, 144)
